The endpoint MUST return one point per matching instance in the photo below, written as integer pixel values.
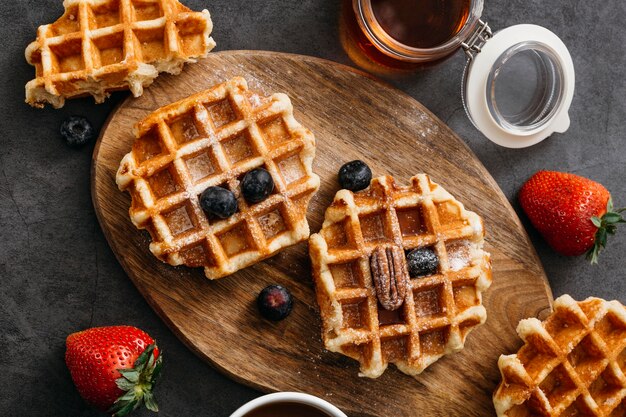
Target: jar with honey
(405, 34)
(518, 83)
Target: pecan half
(390, 276)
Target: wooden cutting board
(353, 117)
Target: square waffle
(99, 46)
(438, 310)
(214, 138)
(572, 364)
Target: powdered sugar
(459, 254)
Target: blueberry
(77, 131)
(422, 262)
(257, 185)
(275, 302)
(219, 202)
(355, 176)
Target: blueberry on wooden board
(275, 302)
(355, 176)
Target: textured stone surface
(57, 274)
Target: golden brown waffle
(214, 138)
(572, 364)
(99, 46)
(438, 310)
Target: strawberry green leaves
(607, 225)
(137, 383)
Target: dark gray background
(57, 274)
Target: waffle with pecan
(99, 46)
(213, 139)
(372, 309)
(572, 364)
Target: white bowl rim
(296, 397)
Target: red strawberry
(574, 214)
(114, 368)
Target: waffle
(214, 138)
(438, 310)
(99, 46)
(572, 364)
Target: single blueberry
(422, 262)
(355, 176)
(219, 202)
(275, 302)
(257, 185)
(77, 131)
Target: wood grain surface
(353, 117)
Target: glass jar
(518, 83)
(390, 46)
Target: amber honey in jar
(420, 23)
(406, 34)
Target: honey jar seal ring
(479, 79)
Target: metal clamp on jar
(518, 83)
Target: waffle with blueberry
(221, 179)
(99, 46)
(399, 272)
(571, 364)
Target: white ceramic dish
(293, 397)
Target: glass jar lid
(518, 85)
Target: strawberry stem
(137, 384)
(607, 225)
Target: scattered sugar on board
(255, 100)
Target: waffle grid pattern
(439, 310)
(573, 364)
(99, 46)
(213, 139)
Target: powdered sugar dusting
(459, 254)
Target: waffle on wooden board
(214, 138)
(438, 310)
